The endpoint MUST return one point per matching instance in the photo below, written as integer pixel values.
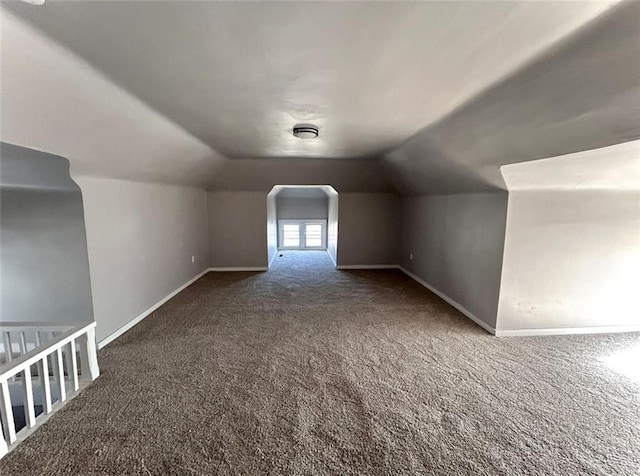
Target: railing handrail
(35, 325)
(60, 352)
(16, 366)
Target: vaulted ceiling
(418, 97)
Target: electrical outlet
(193, 259)
(411, 256)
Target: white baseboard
(450, 301)
(557, 331)
(560, 331)
(148, 311)
(224, 270)
(367, 266)
(331, 258)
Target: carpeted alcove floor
(309, 370)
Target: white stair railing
(42, 347)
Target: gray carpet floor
(309, 370)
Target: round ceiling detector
(305, 132)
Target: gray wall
(141, 239)
(572, 259)
(353, 175)
(367, 226)
(298, 208)
(43, 246)
(457, 243)
(368, 229)
(237, 229)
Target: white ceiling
(240, 75)
(168, 91)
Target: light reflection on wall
(619, 284)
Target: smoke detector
(305, 131)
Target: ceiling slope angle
(53, 101)
(240, 75)
(582, 94)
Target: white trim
(450, 301)
(367, 266)
(270, 262)
(558, 331)
(331, 258)
(309, 248)
(224, 270)
(522, 332)
(303, 249)
(148, 311)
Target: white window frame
(301, 224)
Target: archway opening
(302, 226)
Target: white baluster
(59, 371)
(74, 365)
(45, 384)
(6, 413)
(32, 345)
(88, 355)
(67, 359)
(27, 389)
(43, 372)
(8, 351)
(8, 354)
(23, 343)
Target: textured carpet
(309, 370)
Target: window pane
(313, 235)
(291, 235)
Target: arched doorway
(302, 218)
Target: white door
(291, 235)
(302, 234)
(313, 235)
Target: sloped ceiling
(406, 95)
(582, 94)
(303, 192)
(53, 101)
